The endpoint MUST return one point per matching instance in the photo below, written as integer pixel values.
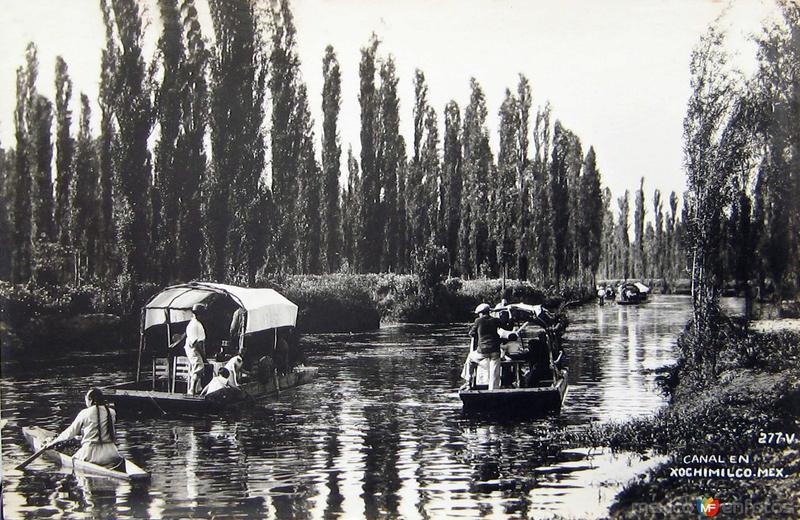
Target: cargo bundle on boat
(533, 376)
(250, 322)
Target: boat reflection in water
(380, 432)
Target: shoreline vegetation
(727, 409)
(92, 317)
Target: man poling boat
(527, 373)
(188, 332)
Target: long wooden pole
(141, 346)
(36, 455)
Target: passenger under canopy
(265, 308)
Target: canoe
(36, 436)
(536, 400)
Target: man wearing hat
(194, 347)
(485, 336)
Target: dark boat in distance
(162, 372)
(631, 293)
(533, 382)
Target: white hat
(484, 307)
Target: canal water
(380, 432)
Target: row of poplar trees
(206, 166)
(742, 156)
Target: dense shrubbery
(331, 303)
(328, 303)
(38, 316)
(358, 302)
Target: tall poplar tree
(134, 116)
(560, 202)
(370, 235)
(21, 189)
(168, 108)
(287, 131)
(84, 225)
(191, 146)
(417, 207)
(238, 76)
(452, 181)
(388, 155)
(309, 245)
(712, 92)
(639, 211)
(542, 212)
(39, 120)
(658, 248)
(6, 204)
(478, 167)
(331, 157)
(65, 148)
(107, 263)
(623, 241)
(590, 233)
(351, 211)
(525, 176)
(505, 210)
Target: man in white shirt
(194, 348)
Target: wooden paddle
(36, 455)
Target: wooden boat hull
(632, 302)
(133, 396)
(36, 436)
(523, 401)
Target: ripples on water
(380, 432)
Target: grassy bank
(753, 390)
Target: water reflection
(380, 433)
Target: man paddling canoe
(95, 425)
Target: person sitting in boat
(95, 426)
(234, 366)
(485, 345)
(218, 383)
(195, 348)
(281, 358)
(237, 322)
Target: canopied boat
(250, 321)
(533, 376)
(632, 292)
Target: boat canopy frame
(264, 309)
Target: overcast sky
(614, 71)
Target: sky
(616, 72)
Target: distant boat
(532, 382)
(630, 293)
(160, 384)
(36, 436)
